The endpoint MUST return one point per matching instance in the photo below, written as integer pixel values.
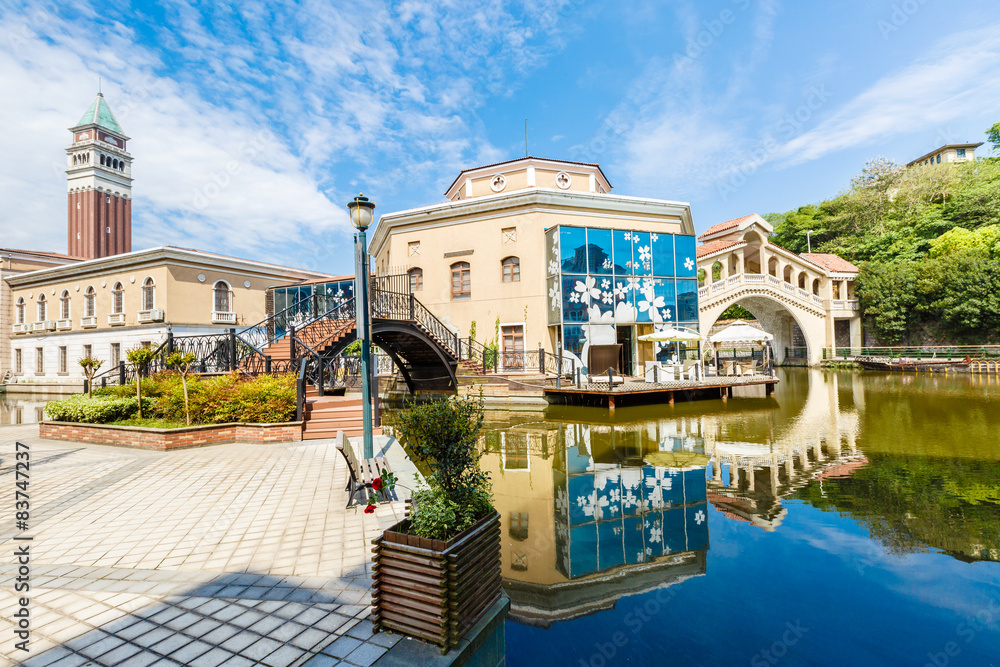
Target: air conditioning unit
(47, 325)
(156, 315)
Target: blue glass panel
(697, 527)
(599, 256)
(646, 300)
(608, 494)
(642, 254)
(694, 485)
(687, 300)
(583, 550)
(663, 254)
(574, 339)
(623, 253)
(573, 249)
(632, 490)
(664, 290)
(602, 299)
(635, 545)
(624, 295)
(581, 499)
(673, 487)
(652, 527)
(685, 256)
(610, 535)
(674, 539)
(576, 296)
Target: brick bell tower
(99, 175)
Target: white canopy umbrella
(740, 332)
(671, 335)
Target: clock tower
(99, 175)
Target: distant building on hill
(947, 154)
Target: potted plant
(437, 572)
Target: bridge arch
(778, 317)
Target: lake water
(853, 519)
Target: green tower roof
(100, 114)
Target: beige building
(538, 253)
(947, 154)
(103, 307)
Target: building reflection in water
(590, 515)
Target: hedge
(96, 410)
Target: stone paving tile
(216, 556)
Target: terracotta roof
(723, 226)
(715, 246)
(829, 262)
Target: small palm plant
(183, 361)
(90, 366)
(139, 358)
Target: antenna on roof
(99, 86)
(525, 137)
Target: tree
(139, 358)
(887, 295)
(872, 190)
(993, 134)
(90, 366)
(183, 361)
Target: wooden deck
(636, 392)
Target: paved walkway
(227, 555)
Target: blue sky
(252, 123)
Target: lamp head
(361, 209)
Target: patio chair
(727, 368)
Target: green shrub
(443, 437)
(95, 410)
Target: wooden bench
(362, 472)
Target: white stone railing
(702, 292)
(762, 279)
(817, 299)
(753, 278)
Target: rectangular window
(17, 362)
(960, 152)
(62, 359)
(39, 359)
(513, 346)
(511, 270)
(416, 280)
(88, 351)
(461, 281)
(116, 354)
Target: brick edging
(161, 439)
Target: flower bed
(173, 438)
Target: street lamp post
(809, 244)
(361, 217)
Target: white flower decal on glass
(553, 267)
(555, 297)
(588, 290)
(655, 237)
(607, 297)
(644, 254)
(605, 283)
(628, 236)
(574, 297)
(688, 263)
(699, 517)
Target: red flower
(370, 509)
(376, 484)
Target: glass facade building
(607, 286)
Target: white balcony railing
(753, 278)
(838, 304)
(732, 280)
(818, 300)
(223, 318)
(88, 322)
(702, 292)
(804, 294)
(64, 325)
(774, 280)
(718, 286)
(45, 325)
(116, 319)
(788, 287)
(853, 305)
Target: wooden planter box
(435, 590)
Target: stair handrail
(124, 372)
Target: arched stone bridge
(806, 301)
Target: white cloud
(960, 76)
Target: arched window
(416, 275)
(118, 298)
(223, 297)
(64, 305)
(461, 281)
(89, 301)
(114, 164)
(42, 307)
(102, 159)
(148, 294)
(511, 268)
(816, 286)
(19, 315)
(803, 277)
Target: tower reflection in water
(595, 512)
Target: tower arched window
(118, 298)
(222, 297)
(89, 302)
(114, 164)
(511, 267)
(42, 308)
(461, 281)
(19, 311)
(102, 159)
(64, 305)
(416, 275)
(148, 294)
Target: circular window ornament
(563, 180)
(498, 183)
(201, 277)
(246, 283)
